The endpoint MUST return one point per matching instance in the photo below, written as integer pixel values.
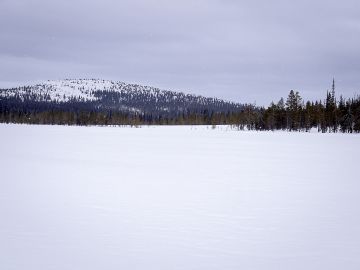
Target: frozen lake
(156, 198)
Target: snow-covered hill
(115, 95)
(65, 90)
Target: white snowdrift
(177, 198)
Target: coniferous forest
(117, 108)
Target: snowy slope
(65, 90)
(109, 95)
(159, 198)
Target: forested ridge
(121, 104)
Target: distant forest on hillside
(292, 113)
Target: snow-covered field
(83, 198)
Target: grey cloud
(241, 50)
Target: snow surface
(177, 198)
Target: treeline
(293, 114)
(83, 114)
(329, 115)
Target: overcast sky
(246, 51)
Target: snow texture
(177, 198)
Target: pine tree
(293, 106)
(330, 109)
